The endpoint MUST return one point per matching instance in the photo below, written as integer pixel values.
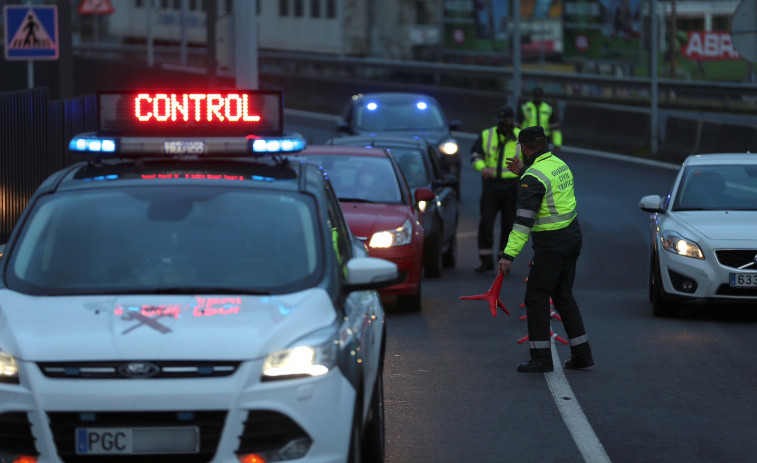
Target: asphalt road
(680, 389)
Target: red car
(380, 210)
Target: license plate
(128, 441)
(183, 146)
(744, 280)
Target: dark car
(404, 114)
(419, 164)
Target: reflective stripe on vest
(558, 208)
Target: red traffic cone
(491, 296)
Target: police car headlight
(673, 242)
(395, 237)
(300, 362)
(8, 368)
(448, 147)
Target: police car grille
(110, 370)
(267, 430)
(743, 259)
(63, 426)
(16, 435)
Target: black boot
(540, 362)
(484, 267)
(580, 357)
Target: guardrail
(731, 97)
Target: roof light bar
(288, 144)
(92, 143)
(249, 146)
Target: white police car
(704, 234)
(180, 298)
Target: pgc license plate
(744, 280)
(128, 441)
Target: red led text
(210, 107)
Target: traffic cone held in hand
(491, 296)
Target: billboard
(603, 30)
(477, 26)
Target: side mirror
(423, 194)
(651, 203)
(365, 273)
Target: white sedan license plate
(744, 280)
(128, 441)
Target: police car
(187, 298)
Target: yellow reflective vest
(490, 141)
(558, 206)
(533, 116)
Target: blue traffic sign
(31, 32)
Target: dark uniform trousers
(552, 273)
(497, 196)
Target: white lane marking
(575, 420)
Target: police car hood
(157, 327)
(365, 219)
(722, 225)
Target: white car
(160, 306)
(704, 234)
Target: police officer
(547, 211)
(538, 112)
(489, 156)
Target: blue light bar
(92, 143)
(277, 145)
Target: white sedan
(704, 234)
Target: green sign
(476, 26)
(602, 30)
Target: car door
(446, 197)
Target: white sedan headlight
(8, 368)
(300, 361)
(673, 242)
(448, 147)
(395, 237)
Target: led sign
(191, 113)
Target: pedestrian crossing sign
(31, 32)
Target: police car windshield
(161, 239)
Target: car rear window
(398, 115)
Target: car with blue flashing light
(704, 235)
(181, 297)
(404, 113)
(419, 164)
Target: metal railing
(724, 97)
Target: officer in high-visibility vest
(547, 212)
(489, 156)
(538, 112)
